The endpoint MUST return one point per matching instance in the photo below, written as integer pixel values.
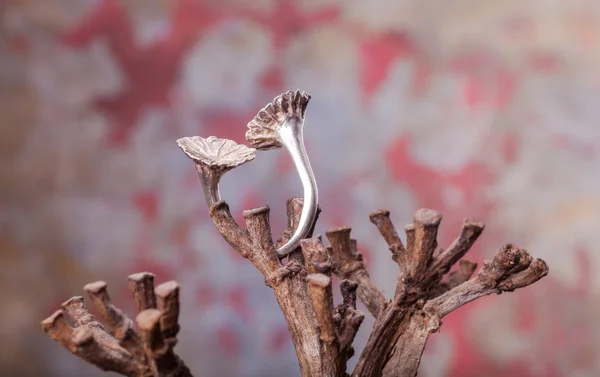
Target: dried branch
(418, 256)
(337, 327)
(118, 324)
(465, 270)
(441, 264)
(511, 268)
(294, 210)
(384, 224)
(259, 229)
(141, 286)
(401, 329)
(121, 348)
(348, 320)
(319, 289)
(164, 362)
(168, 304)
(348, 264)
(238, 238)
(288, 281)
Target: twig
(348, 264)
(386, 228)
(441, 264)
(141, 286)
(168, 304)
(319, 289)
(119, 325)
(158, 349)
(348, 320)
(237, 237)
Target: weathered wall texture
(475, 108)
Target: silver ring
(278, 125)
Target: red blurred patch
(509, 145)
(337, 198)
(421, 76)
(486, 82)
(474, 92)
(544, 63)
(377, 53)
(427, 184)
(188, 258)
(251, 199)
(228, 341)
(286, 20)
(19, 43)
(366, 253)
(272, 79)
(149, 71)
(236, 299)
(146, 204)
(227, 123)
(584, 284)
(278, 339)
(205, 295)
(143, 261)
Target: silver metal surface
(291, 136)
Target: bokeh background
(488, 109)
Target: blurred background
(485, 109)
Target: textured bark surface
(117, 346)
(322, 332)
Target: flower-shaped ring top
(213, 158)
(278, 125)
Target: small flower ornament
(213, 158)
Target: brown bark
(322, 333)
(348, 264)
(117, 346)
(421, 299)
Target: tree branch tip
(148, 319)
(338, 231)
(312, 243)
(166, 289)
(141, 276)
(75, 301)
(376, 215)
(472, 223)
(540, 267)
(53, 319)
(318, 279)
(427, 217)
(294, 201)
(264, 210)
(96, 287)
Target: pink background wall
(475, 108)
